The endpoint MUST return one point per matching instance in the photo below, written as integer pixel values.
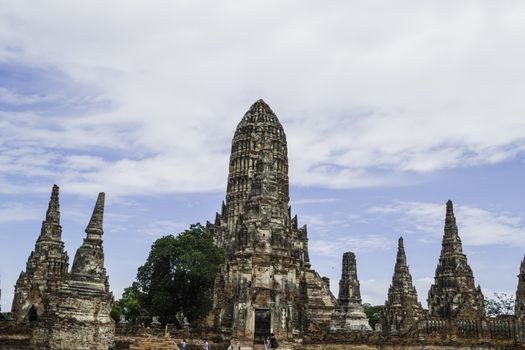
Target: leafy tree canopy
(129, 305)
(179, 275)
(373, 312)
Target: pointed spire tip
(95, 225)
(260, 104)
(53, 209)
(450, 208)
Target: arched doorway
(262, 325)
(32, 314)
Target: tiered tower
(349, 315)
(402, 309)
(519, 308)
(454, 294)
(77, 316)
(46, 267)
(266, 284)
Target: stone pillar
(349, 314)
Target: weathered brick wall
(14, 336)
(342, 346)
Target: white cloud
(19, 212)
(338, 245)
(476, 226)
(370, 94)
(374, 291)
(11, 97)
(312, 201)
(163, 227)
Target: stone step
(153, 343)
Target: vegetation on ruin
(177, 276)
(373, 312)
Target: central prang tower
(266, 284)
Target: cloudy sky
(390, 109)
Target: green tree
(500, 304)
(179, 275)
(129, 305)
(373, 312)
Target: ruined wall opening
(32, 314)
(263, 323)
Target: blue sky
(389, 110)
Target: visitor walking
(183, 344)
(205, 345)
(267, 343)
(273, 342)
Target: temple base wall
(71, 334)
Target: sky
(390, 109)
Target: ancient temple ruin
(519, 308)
(402, 309)
(349, 315)
(77, 315)
(266, 284)
(454, 294)
(46, 266)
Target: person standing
(267, 343)
(205, 345)
(183, 344)
(273, 342)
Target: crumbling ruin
(349, 314)
(76, 316)
(266, 284)
(453, 294)
(67, 310)
(46, 267)
(402, 309)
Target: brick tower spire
(83, 302)
(258, 133)
(402, 309)
(89, 258)
(519, 309)
(453, 294)
(266, 281)
(349, 313)
(45, 268)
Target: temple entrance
(32, 314)
(262, 325)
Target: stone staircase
(153, 343)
